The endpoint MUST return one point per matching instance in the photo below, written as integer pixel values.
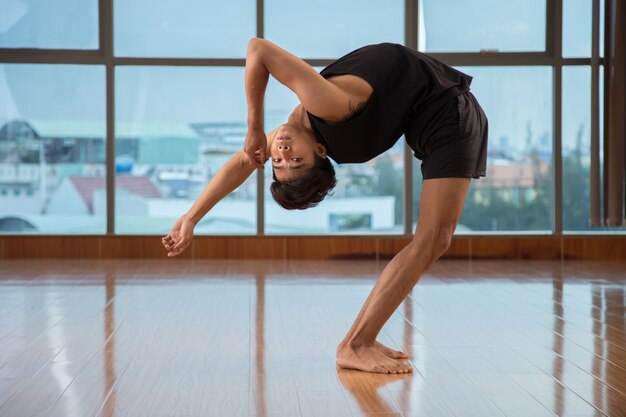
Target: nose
(282, 147)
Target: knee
(442, 240)
(436, 240)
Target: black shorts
(453, 143)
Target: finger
(182, 244)
(255, 163)
(173, 252)
(251, 155)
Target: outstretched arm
(229, 177)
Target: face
(294, 151)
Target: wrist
(191, 218)
(254, 124)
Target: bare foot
(393, 354)
(370, 359)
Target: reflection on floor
(255, 338)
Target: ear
(320, 150)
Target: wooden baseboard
(310, 247)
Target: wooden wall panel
(331, 247)
(209, 248)
(523, 247)
(58, 247)
(389, 246)
(539, 247)
(238, 247)
(254, 247)
(148, 247)
(459, 248)
(497, 247)
(613, 248)
(309, 247)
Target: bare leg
(441, 204)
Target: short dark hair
(308, 189)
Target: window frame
(552, 56)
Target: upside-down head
(302, 172)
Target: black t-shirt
(407, 85)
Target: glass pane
(576, 139)
(368, 198)
(576, 28)
(52, 149)
(175, 128)
(193, 29)
(325, 28)
(470, 26)
(515, 194)
(61, 24)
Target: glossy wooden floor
(231, 338)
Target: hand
(179, 237)
(255, 147)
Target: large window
(577, 28)
(576, 146)
(52, 149)
(59, 24)
(515, 194)
(327, 28)
(471, 26)
(174, 75)
(175, 128)
(194, 28)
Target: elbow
(254, 44)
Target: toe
(383, 369)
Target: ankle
(355, 344)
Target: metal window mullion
(96, 58)
(260, 177)
(410, 40)
(550, 28)
(102, 26)
(557, 165)
(185, 62)
(594, 192)
(49, 56)
(106, 45)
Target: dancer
(353, 110)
